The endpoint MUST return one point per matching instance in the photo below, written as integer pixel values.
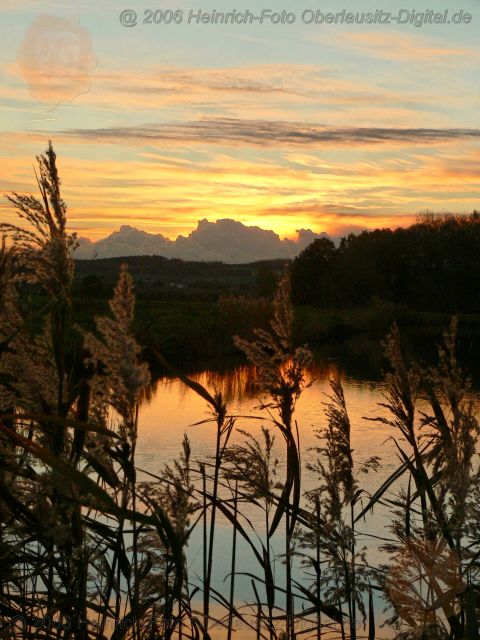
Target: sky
(332, 127)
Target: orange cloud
(397, 46)
(321, 191)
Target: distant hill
(159, 277)
(225, 240)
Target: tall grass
(92, 546)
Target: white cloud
(225, 240)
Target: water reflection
(171, 409)
(237, 383)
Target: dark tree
(433, 265)
(312, 271)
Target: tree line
(433, 265)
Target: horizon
(224, 240)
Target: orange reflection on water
(238, 383)
(172, 408)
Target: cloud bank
(225, 240)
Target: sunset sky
(328, 127)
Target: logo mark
(56, 59)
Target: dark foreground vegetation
(91, 546)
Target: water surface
(172, 409)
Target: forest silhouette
(433, 265)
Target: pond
(172, 409)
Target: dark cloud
(228, 131)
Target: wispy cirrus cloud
(269, 90)
(403, 46)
